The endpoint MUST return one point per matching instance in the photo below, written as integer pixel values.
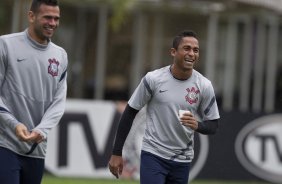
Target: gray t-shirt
(165, 96)
(32, 89)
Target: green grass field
(48, 179)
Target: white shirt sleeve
(141, 95)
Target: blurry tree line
(111, 44)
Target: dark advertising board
(247, 146)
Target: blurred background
(111, 44)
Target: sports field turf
(47, 179)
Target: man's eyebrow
(196, 47)
(50, 16)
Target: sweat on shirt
(32, 90)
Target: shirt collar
(35, 43)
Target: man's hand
(36, 137)
(24, 135)
(189, 120)
(116, 165)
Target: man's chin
(47, 37)
(189, 66)
(49, 34)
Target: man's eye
(50, 18)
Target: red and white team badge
(53, 68)
(193, 95)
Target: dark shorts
(17, 169)
(156, 170)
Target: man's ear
(31, 17)
(172, 52)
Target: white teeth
(189, 60)
(49, 29)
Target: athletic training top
(165, 96)
(32, 90)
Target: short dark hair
(186, 33)
(36, 4)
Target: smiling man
(168, 142)
(32, 94)
(43, 19)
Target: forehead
(189, 41)
(49, 10)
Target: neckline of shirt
(178, 78)
(35, 44)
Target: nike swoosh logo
(161, 91)
(20, 59)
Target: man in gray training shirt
(167, 148)
(32, 94)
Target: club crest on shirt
(53, 67)
(193, 95)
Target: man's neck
(180, 74)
